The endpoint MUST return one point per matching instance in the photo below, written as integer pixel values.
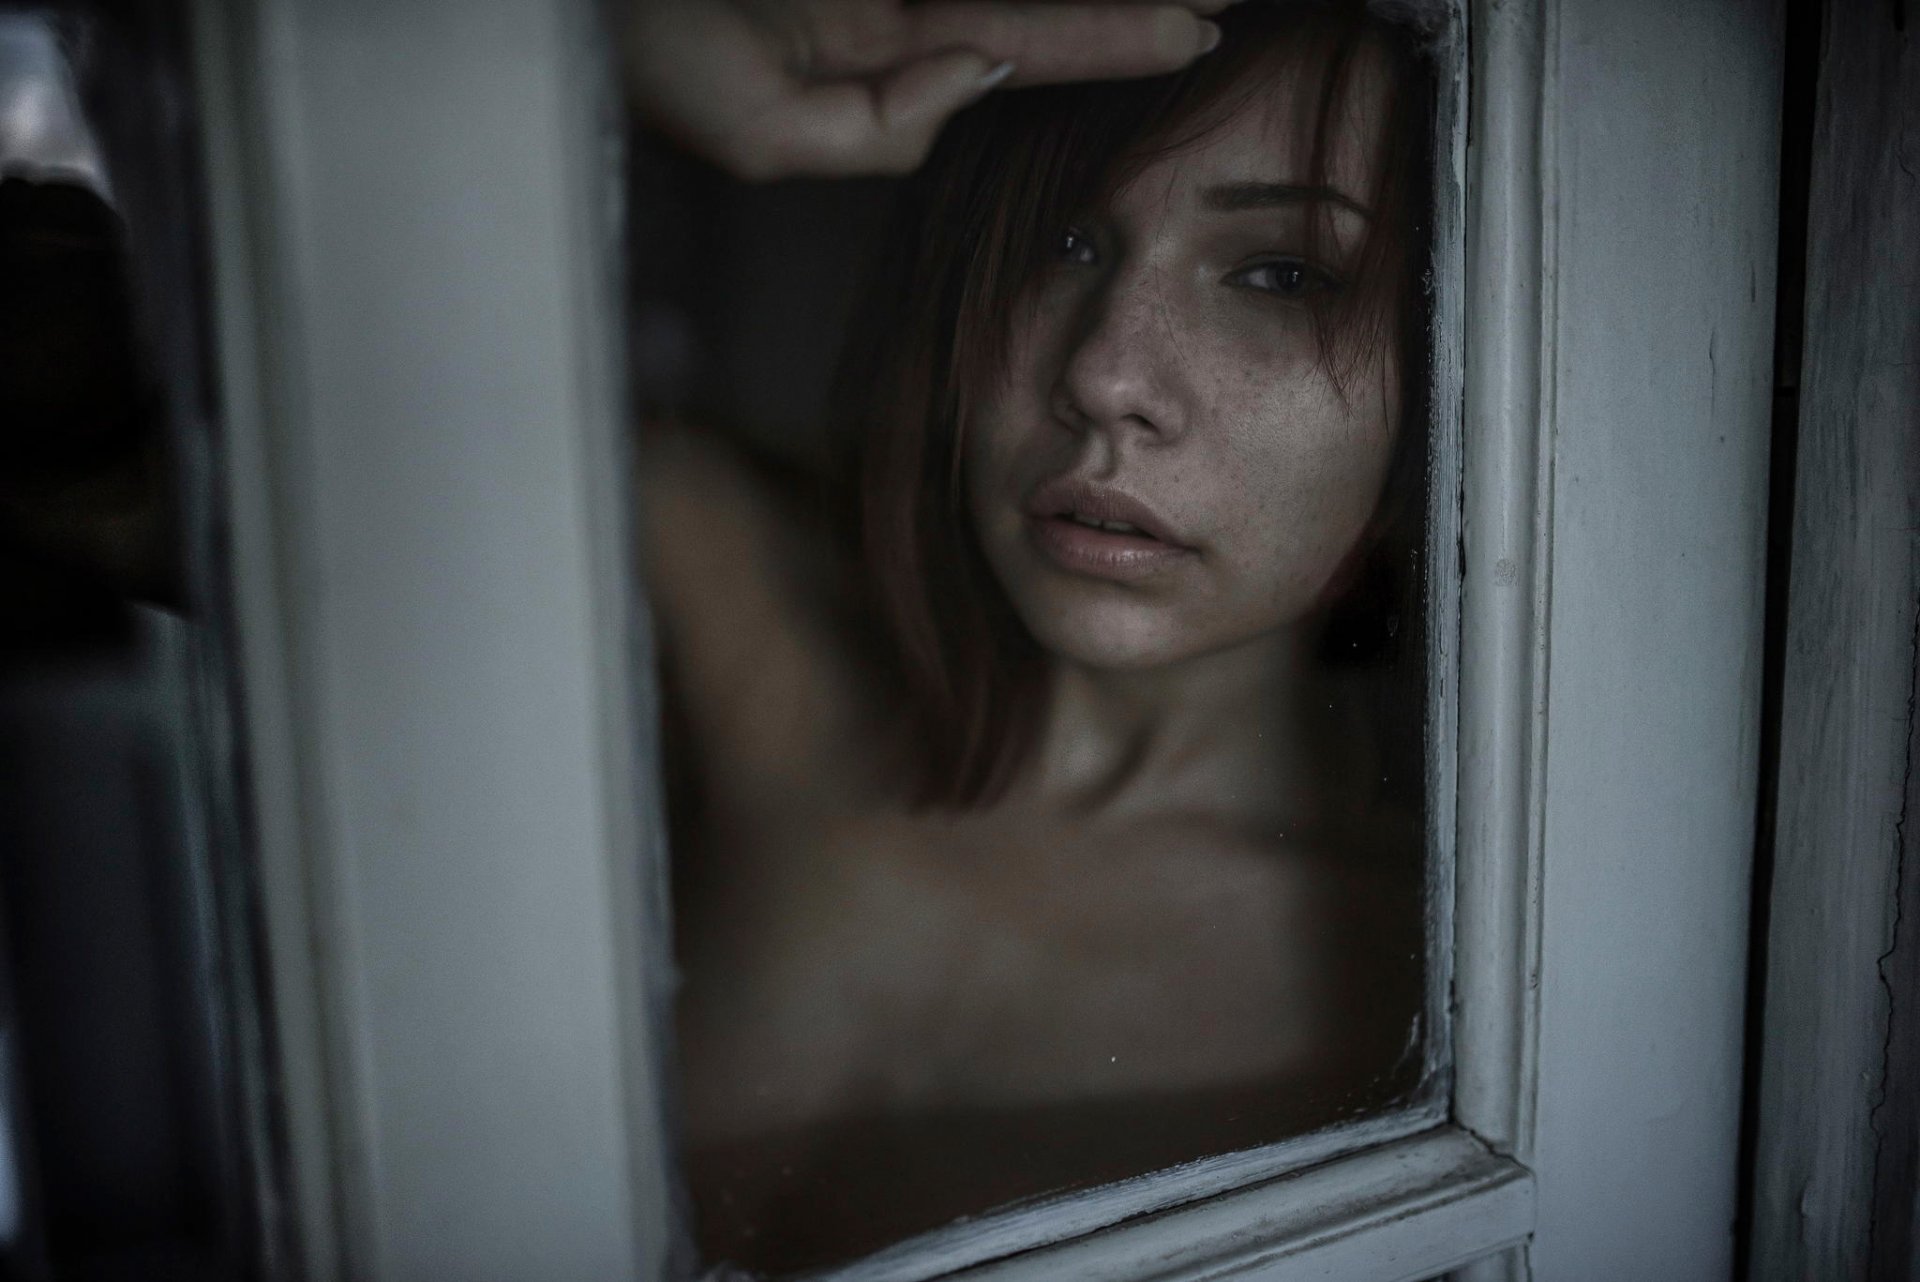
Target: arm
(742, 597)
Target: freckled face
(1167, 469)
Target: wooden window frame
(451, 741)
(1838, 1078)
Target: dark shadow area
(1802, 75)
(134, 1049)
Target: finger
(916, 101)
(1206, 8)
(1097, 39)
(860, 128)
(1052, 43)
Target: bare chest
(907, 964)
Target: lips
(1089, 529)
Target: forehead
(1273, 125)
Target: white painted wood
(1509, 1265)
(1837, 1102)
(1051, 1220)
(1447, 334)
(418, 307)
(1661, 138)
(1505, 499)
(1400, 1213)
(243, 285)
(1621, 218)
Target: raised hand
(776, 88)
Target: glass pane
(1037, 546)
(135, 1115)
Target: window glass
(134, 1109)
(1036, 543)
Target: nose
(1119, 373)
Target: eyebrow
(1233, 197)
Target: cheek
(1305, 473)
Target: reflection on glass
(137, 1121)
(1047, 720)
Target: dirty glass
(1036, 545)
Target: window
(443, 653)
(1047, 777)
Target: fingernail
(1209, 36)
(994, 76)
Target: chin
(1112, 636)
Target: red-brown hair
(971, 227)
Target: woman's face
(1167, 468)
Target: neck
(1217, 732)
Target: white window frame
(417, 288)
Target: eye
(1293, 278)
(1074, 246)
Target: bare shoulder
(746, 598)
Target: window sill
(1401, 1211)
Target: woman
(1041, 838)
